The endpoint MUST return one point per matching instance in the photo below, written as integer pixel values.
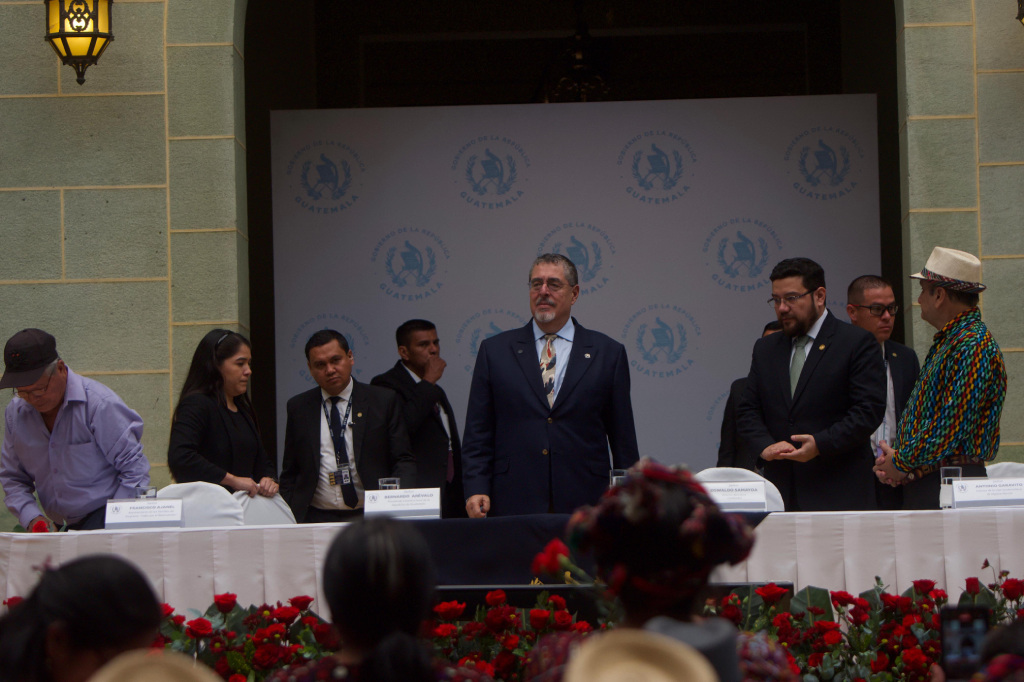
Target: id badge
(340, 477)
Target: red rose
(166, 608)
(472, 629)
(504, 662)
(859, 616)
(222, 666)
(266, 655)
(771, 593)
(539, 618)
(793, 667)
(582, 627)
(861, 603)
(510, 642)
(285, 614)
(40, 526)
(500, 618)
(450, 610)
(815, 611)
(301, 602)
(557, 602)
(237, 678)
(563, 620)
(939, 596)
(225, 602)
(178, 620)
(11, 602)
(841, 598)
(326, 636)
(924, 586)
(495, 598)
(781, 620)
(549, 561)
(309, 621)
(732, 613)
(814, 660)
(914, 660)
(932, 648)
(973, 586)
(445, 630)
(832, 637)
(1013, 588)
(200, 627)
(826, 625)
(159, 642)
(881, 663)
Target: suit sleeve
(419, 405)
(402, 462)
(184, 458)
(749, 413)
(622, 429)
(478, 435)
(866, 398)
(291, 458)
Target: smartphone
(963, 631)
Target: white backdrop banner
(674, 212)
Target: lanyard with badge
(343, 476)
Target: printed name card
(143, 513)
(738, 495)
(988, 492)
(408, 503)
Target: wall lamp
(79, 31)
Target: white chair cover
(204, 505)
(264, 511)
(1005, 470)
(730, 474)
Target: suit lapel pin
(821, 347)
(586, 355)
(359, 414)
(894, 355)
(519, 350)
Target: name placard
(988, 492)
(409, 503)
(737, 495)
(143, 513)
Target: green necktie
(797, 364)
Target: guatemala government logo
(323, 176)
(661, 340)
(588, 247)
(824, 163)
(655, 166)
(489, 170)
(412, 262)
(357, 338)
(481, 326)
(737, 253)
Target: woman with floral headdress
(655, 540)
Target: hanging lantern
(79, 31)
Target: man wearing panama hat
(952, 415)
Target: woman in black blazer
(214, 433)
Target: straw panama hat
(629, 655)
(953, 269)
(154, 665)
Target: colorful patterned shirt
(955, 405)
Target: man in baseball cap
(952, 416)
(68, 438)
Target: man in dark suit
(733, 451)
(814, 396)
(330, 459)
(427, 414)
(546, 403)
(871, 305)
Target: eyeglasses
(790, 299)
(877, 309)
(34, 393)
(554, 285)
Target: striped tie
(547, 367)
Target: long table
(836, 550)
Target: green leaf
(812, 596)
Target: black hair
(204, 373)
(102, 602)
(773, 326)
(1005, 639)
(572, 278)
(382, 567)
(811, 274)
(406, 330)
(855, 292)
(324, 337)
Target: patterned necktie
(797, 364)
(348, 490)
(547, 367)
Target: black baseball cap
(26, 355)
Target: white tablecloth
(837, 551)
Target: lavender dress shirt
(93, 454)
